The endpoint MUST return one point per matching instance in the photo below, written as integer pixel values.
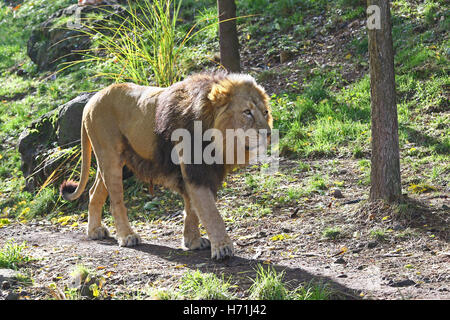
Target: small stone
(401, 283)
(262, 234)
(6, 285)
(361, 267)
(372, 244)
(336, 193)
(12, 296)
(8, 275)
(340, 261)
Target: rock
(361, 267)
(38, 143)
(8, 275)
(285, 56)
(60, 37)
(6, 285)
(69, 119)
(372, 244)
(12, 296)
(340, 261)
(36, 138)
(401, 283)
(82, 282)
(336, 193)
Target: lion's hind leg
(192, 239)
(113, 181)
(97, 198)
(110, 166)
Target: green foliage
(43, 204)
(12, 255)
(268, 285)
(205, 286)
(378, 234)
(140, 46)
(311, 291)
(332, 233)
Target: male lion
(132, 125)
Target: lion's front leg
(192, 239)
(203, 201)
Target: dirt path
(361, 272)
(362, 251)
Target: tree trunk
(385, 171)
(228, 37)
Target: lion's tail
(71, 190)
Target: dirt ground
(410, 260)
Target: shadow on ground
(242, 269)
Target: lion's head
(242, 113)
(228, 103)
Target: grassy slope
(321, 111)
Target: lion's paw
(98, 233)
(197, 244)
(222, 250)
(130, 240)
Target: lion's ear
(220, 93)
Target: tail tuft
(66, 188)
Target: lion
(131, 125)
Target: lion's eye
(248, 112)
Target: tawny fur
(127, 124)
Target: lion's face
(246, 112)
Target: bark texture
(385, 171)
(228, 37)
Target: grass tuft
(12, 255)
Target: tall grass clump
(268, 285)
(205, 286)
(141, 45)
(12, 255)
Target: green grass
(332, 233)
(12, 255)
(378, 234)
(205, 286)
(312, 291)
(270, 285)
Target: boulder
(60, 38)
(69, 120)
(42, 144)
(38, 137)
(8, 275)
